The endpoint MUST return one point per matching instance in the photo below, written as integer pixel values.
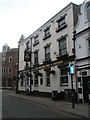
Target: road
(13, 107)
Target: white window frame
(9, 69)
(10, 59)
(3, 70)
(36, 39)
(63, 76)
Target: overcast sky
(19, 17)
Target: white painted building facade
(82, 48)
(52, 54)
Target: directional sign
(72, 69)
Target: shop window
(23, 80)
(10, 82)
(36, 80)
(47, 78)
(64, 76)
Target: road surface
(13, 107)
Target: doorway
(85, 89)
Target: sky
(19, 17)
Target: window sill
(36, 43)
(46, 37)
(47, 61)
(35, 85)
(62, 57)
(36, 65)
(60, 28)
(64, 84)
(47, 85)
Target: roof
(22, 38)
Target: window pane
(61, 22)
(9, 70)
(62, 47)
(63, 71)
(64, 76)
(88, 11)
(89, 43)
(36, 57)
(48, 78)
(36, 39)
(36, 80)
(47, 32)
(64, 79)
(47, 53)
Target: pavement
(81, 109)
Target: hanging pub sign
(27, 56)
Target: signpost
(73, 96)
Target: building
(82, 48)
(0, 70)
(46, 55)
(5, 48)
(9, 69)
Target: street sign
(71, 69)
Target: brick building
(9, 69)
(0, 70)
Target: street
(13, 107)
(17, 108)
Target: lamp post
(28, 58)
(73, 95)
(72, 70)
(16, 78)
(30, 67)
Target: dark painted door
(85, 89)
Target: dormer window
(47, 33)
